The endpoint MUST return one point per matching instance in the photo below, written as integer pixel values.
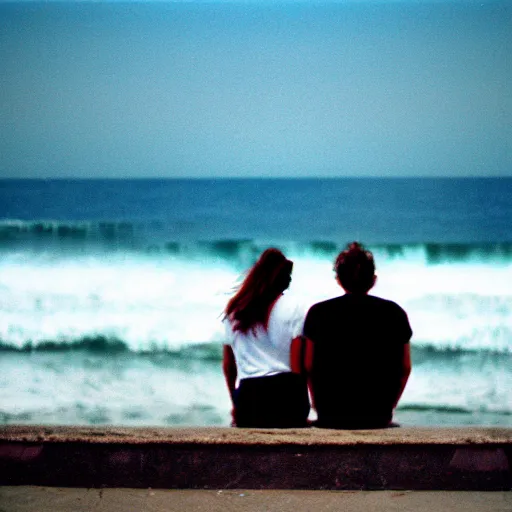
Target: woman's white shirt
(267, 352)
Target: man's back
(358, 345)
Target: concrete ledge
(226, 458)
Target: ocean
(112, 291)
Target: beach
(152, 152)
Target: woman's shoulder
(229, 333)
(289, 306)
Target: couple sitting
(352, 351)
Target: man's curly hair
(355, 268)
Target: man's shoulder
(350, 301)
(325, 305)
(385, 303)
(395, 316)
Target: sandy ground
(55, 499)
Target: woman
(260, 325)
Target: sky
(255, 89)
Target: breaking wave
(104, 345)
(155, 237)
(171, 295)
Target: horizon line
(219, 178)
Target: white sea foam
(145, 302)
(80, 388)
(120, 389)
(462, 310)
(168, 302)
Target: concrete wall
(227, 458)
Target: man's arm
(297, 355)
(308, 367)
(301, 360)
(308, 352)
(406, 371)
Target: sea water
(112, 291)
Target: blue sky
(179, 89)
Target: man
(357, 352)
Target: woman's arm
(230, 374)
(229, 369)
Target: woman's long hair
(265, 281)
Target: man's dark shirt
(358, 358)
